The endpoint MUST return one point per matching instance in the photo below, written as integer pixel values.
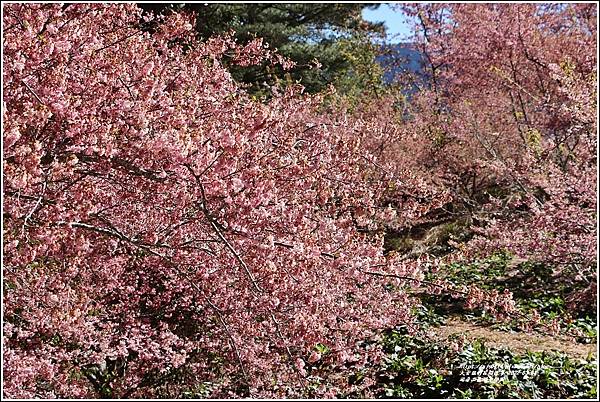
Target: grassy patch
(416, 367)
(533, 286)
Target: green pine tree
(334, 34)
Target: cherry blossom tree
(164, 232)
(511, 117)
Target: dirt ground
(515, 341)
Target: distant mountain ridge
(399, 58)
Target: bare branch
(35, 207)
(33, 93)
(236, 255)
(230, 336)
(128, 89)
(214, 224)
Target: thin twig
(236, 255)
(128, 89)
(35, 207)
(214, 224)
(33, 93)
(289, 246)
(287, 349)
(231, 339)
(409, 278)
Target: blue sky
(397, 28)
